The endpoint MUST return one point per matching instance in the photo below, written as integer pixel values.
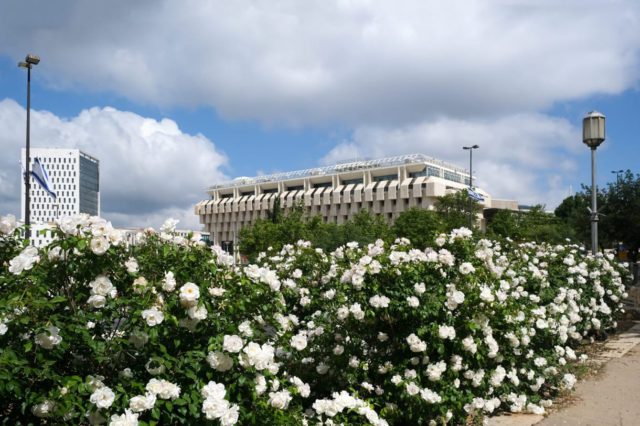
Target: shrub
(168, 331)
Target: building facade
(75, 178)
(386, 186)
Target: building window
(352, 181)
(385, 177)
(322, 185)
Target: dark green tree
(365, 228)
(418, 225)
(621, 222)
(573, 212)
(505, 223)
(456, 208)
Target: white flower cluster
(342, 401)
(50, 338)
(101, 288)
(24, 261)
(8, 224)
(215, 406)
(163, 389)
(102, 397)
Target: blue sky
(173, 96)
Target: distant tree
(455, 209)
(621, 222)
(505, 223)
(538, 225)
(418, 225)
(281, 228)
(574, 214)
(533, 225)
(365, 228)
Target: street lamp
(618, 173)
(593, 136)
(28, 63)
(470, 149)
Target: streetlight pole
(470, 149)
(593, 135)
(617, 172)
(28, 63)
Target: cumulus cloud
(526, 157)
(149, 169)
(355, 62)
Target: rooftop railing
(340, 168)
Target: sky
(174, 96)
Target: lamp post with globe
(593, 135)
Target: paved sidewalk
(612, 398)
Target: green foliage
(618, 204)
(363, 227)
(621, 207)
(456, 209)
(533, 225)
(573, 212)
(420, 226)
(367, 325)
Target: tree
(505, 223)
(538, 225)
(418, 225)
(366, 228)
(573, 212)
(533, 225)
(622, 221)
(456, 208)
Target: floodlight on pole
(29, 61)
(617, 173)
(593, 134)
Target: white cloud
(350, 61)
(526, 157)
(149, 169)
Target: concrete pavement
(611, 398)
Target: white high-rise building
(75, 178)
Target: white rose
(50, 339)
(219, 361)
(99, 245)
(153, 316)
(232, 343)
(126, 419)
(8, 224)
(299, 341)
(280, 400)
(214, 408)
(97, 301)
(132, 265)
(102, 286)
(189, 294)
(102, 397)
(142, 402)
(169, 282)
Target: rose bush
(168, 331)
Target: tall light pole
(617, 172)
(593, 135)
(470, 149)
(28, 63)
